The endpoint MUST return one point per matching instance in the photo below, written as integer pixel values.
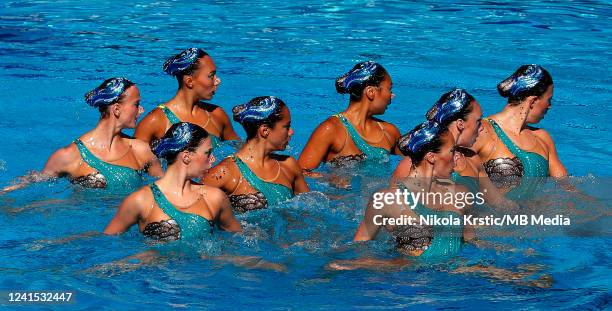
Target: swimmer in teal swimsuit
(509, 148)
(197, 78)
(462, 115)
(355, 134)
(255, 177)
(431, 148)
(105, 157)
(175, 207)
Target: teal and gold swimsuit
(267, 194)
(215, 141)
(109, 176)
(437, 241)
(510, 172)
(368, 152)
(183, 226)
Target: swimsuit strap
(371, 152)
(386, 135)
(169, 114)
(273, 192)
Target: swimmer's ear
(185, 157)
(460, 125)
(264, 131)
(430, 157)
(531, 100)
(188, 81)
(370, 92)
(116, 109)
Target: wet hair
(262, 110)
(425, 137)
(454, 105)
(184, 63)
(111, 91)
(527, 80)
(179, 137)
(357, 79)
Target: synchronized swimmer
(454, 143)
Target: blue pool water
(52, 52)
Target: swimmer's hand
(23, 181)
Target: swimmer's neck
(512, 119)
(104, 135)
(176, 178)
(255, 151)
(184, 102)
(358, 113)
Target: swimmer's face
(383, 95)
(471, 126)
(204, 80)
(280, 134)
(445, 158)
(129, 107)
(201, 159)
(540, 106)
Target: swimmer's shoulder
(542, 135)
(389, 128)
(288, 163)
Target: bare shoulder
(289, 163)
(139, 198)
(330, 125)
(390, 128)
(542, 134)
(218, 111)
(64, 156)
(155, 115)
(222, 172)
(215, 198)
(140, 146)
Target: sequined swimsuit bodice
(183, 226)
(368, 152)
(435, 240)
(266, 192)
(107, 175)
(510, 173)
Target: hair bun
(107, 93)
(178, 63)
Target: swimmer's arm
(57, 164)
(367, 229)
(401, 171)
(227, 221)
(151, 127)
(556, 169)
(127, 215)
(227, 131)
(318, 146)
(299, 183)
